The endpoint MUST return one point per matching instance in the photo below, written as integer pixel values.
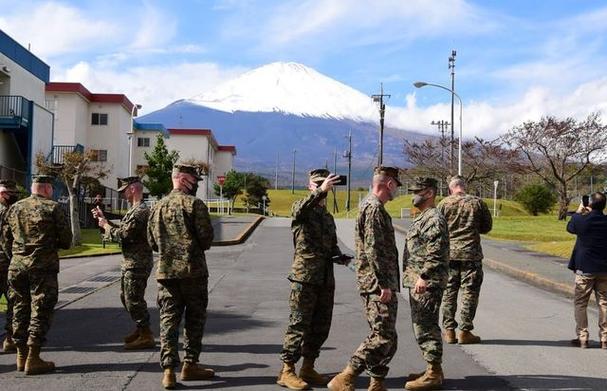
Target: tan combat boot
(343, 381)
(132, 336)
(194, 371)
(8, 346)
(289, 379)
(466, 337)
(432, 379)
(415, 375)
(309, 375)
(377, 384)
(34, 365)
(169, 380)
(449, 336)
(22, 351)
(145, 340)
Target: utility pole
(452, 68)
(348, 155)
(442, 126)
(335, 206)
(379, 98)
(293, 173)
(276, 178)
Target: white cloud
(156, 28)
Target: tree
(256, 188)
(159, 168)
(559, 150)
(75, 168)
(536, 198)
(232, 186)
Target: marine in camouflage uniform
(425, 268)
(180, 229)
(137, 262)
(36, 227)
(467, 218)
(8, 196)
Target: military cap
(423, 183)
(9, 184)
(123, 183)
(391, 172)
(319, 175)
(188, 169)
(43, 179)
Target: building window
(99, 155)
(143, 141)
(99, 119)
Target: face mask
(394, 193)
(418, 199)
(193, 188)
(12, 198)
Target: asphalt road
(526, 332)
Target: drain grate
(78, 289)
(103, 278)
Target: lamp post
(420, 84)
(264, 198)
(131, 134)
(495, 185)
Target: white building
(26, 126)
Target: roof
(150, 127)
(227, 148)
(28, 61)
(78, 88)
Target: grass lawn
(91, 245)
(3, 304)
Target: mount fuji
(270, 111)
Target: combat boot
(22, 351)
(8, 346)
(309, 375)
(466, 337)
(145, 340)
(133, 336)
(432, 379)
(416, 375)
(449, 336)
(377, 384)
(169, 380)
(343, 381)
(289, 379)
(194, 371)
(34, 365)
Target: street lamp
(264, 198)
(130, 134)
(420, 84)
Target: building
(26, 126)
(98, 122)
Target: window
(99, 155)
(143, 141)
(99, 119)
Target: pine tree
(160, 165)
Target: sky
(517, 60)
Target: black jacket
(590, 251)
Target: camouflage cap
(423, 183)
(43, 179)
(319, 175)
(9, 184)
(391, 172)
(188, 169)
(123, 183)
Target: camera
(343, 180)
(585, 200)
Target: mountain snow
(289, 88)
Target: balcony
(59, 152)
(15, 112)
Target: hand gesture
(385, 296)
(329, 182)
(421, 286)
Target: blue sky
(516, 59)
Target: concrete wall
(21, 82)
(224, 162)
(71, 117)
(42, 141)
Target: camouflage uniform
(376, 268)
(35, 228)
(4, 262)
(426, 255)
(467, 218)
(312, 279)
(180, 229)
(137, 263)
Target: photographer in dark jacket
(589, 263)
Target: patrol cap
(187, 169)
(319, 175)
(123, 183)
(423, 183)
(391, 172)
(43, 179)
(9, 184)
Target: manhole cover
(103, 278)
(78, 289)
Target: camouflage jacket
(315, 241)
(467, 218)
(4, 259)
(36, 228)
(376, 253)
(426, 252)
(132, 235)
(180, 229)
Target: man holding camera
(312, 283)
(589, 263)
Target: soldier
(312, 283)
(35, 228)
(377, 276)
(137, 263)
(180, 229)
(8, 196)
(425, 268)
(467, 218)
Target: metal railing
(15, 109)
(59, 152)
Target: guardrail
(14, 110)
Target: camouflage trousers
(425, 310)
(376, 351)
(309, 321)
(132, 295)
(177, 298)
(467, 276)
(9, 304)
(34, 296)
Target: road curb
(242, 236)
(91, 255)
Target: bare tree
(559, 150)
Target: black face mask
(12, 198)
(193, 189)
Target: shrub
(536, 198)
